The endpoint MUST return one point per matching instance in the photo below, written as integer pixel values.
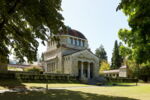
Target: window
(71, 39)
(83, 43)
(75, 41)
(79, 42)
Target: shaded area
(57, 95)
(11, 84)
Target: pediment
(85, 54)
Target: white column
(88, 70)
(81, 69)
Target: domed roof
(74, 33)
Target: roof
(111, 71)
(123, 67)
(71, 53)
(73, 32)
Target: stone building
(72, 56)
(121, 72)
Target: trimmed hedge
(35, 77)
(129, 80)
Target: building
(121, 72)
(72, 56)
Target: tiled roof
(74, 33)
(111, 71)
(123, 67)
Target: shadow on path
(57, 95)
(12, 84)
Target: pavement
(42, 89)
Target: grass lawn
(125, 92)
(140, 92)
(12, 84)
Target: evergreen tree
(116, 59)
(101, 53)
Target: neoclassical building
(71, 57)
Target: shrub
(34, 69)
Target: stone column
(88, 70)
(81, 69)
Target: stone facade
(72, 57)
(121, 72)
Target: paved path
(41, 89)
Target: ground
(81, 92)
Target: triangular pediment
(85, 54)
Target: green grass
(58, 95)
(13, 84)
(140, 92)
(125, 91)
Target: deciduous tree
(22, 22)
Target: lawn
(13, 84)
(140, 92)
(124, 92)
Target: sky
(98, 20)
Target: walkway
(42, 89)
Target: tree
(104, 66)
(116, 59)
(138, 36)
(101, 53)
(22, 22)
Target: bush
(33, 69)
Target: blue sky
(96, 19)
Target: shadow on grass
(57, 95)
(11, 84)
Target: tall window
(75, 41)
(71, 39)
(79, 42)
(83, 43)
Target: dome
(74, 33)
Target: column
(88, 70)
(81, 69)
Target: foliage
(23, 22)
(116, 59)
(101, 53)
(138, 36)
(144, 72)
(104, 66)
(34, 69)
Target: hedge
(29, 77)
(129, 80)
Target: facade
(72, 56)
(121, 72)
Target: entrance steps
(97, 81)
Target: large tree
(22, 22)
(138, 36)
(116, 59)
(101, 53)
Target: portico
(85, 69)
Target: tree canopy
(104, 66)
(101, 53)
(138, 36)
(23, 22)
